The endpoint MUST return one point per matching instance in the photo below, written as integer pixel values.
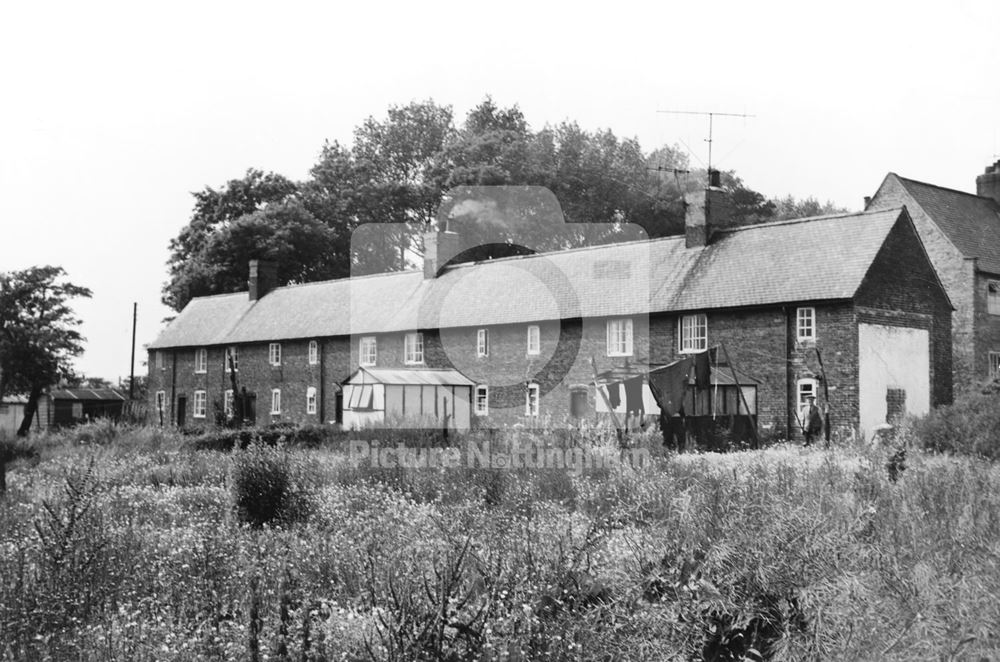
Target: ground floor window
(531, 400)
(482, 400)
(578, 402)
(200, 404)
(311, 400)
(227, 403)
(276, 401)
(994, 365)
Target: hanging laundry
(669, 385)
(614, 394)
(702, 370)
(633, 396)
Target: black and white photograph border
(541, 331)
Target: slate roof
(820, 258)
(971, 222)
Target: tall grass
(128, 544)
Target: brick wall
(987, 335)
(957, 274)
(901, 289)
(293, 377)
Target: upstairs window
(311, 400)
(482, 342)
(620, 337)
(158, 360)
(201, 361)
(993, 297)
(482, 400)
(413, 348)
(534, 340)
(693, 333)
(274, 353)
(531, 400)
(200, 404)
(313, 352)
(805, 324)
(232, 359)
(368, 351)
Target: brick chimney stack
(263, 278)
(439, 247)
(988, 183)
(704, 213)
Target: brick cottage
(529, 339)
(961, 232)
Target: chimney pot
(868, 201)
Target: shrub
(968, 427)
(268, 486)
(307, 436)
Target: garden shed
(420, 397)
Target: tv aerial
(711, 120)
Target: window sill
(619, 354)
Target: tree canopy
(406, 170)
(38, 332)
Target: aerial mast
(711, 120)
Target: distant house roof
(821, 258)
(423, 377)
(14, 399)
(85, 394)
(972, 222)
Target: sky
(112, 114)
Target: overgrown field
(132, 545)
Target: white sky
(111, 114)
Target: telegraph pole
(131, 379)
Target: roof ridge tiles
(809, 219)
(942, 188)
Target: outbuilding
(408, 398)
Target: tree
(788, 207)
(191, 273)
(363, 207)
(38, 335)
